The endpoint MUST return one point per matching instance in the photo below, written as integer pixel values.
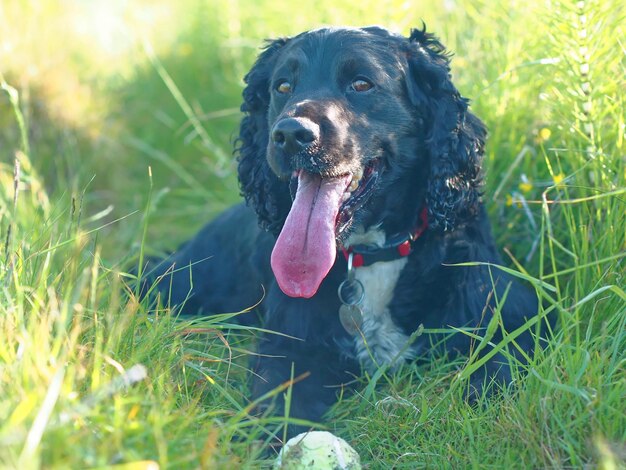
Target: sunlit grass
(90, 377)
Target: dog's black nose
(293, 135)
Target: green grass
(111, 152)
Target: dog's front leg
(305, 352)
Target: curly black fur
(259, 185)
(456, 138)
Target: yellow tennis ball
(317, 449)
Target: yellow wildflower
(542, 135)
(558, 179)
(525, 186)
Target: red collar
(398, 246)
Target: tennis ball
(319, 450)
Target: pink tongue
(306, 249)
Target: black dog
(361, 164)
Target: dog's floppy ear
(455, 137)
(259, 185)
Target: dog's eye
(360, 85)
(283, 87)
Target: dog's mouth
(359, 190)
(322, 209)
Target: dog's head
(349, 129)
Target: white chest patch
(382, 340)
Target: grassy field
(116, 128)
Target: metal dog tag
(351, 292)
(351, 317)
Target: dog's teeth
(345, 196)
(353, 184)
(358, 175)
